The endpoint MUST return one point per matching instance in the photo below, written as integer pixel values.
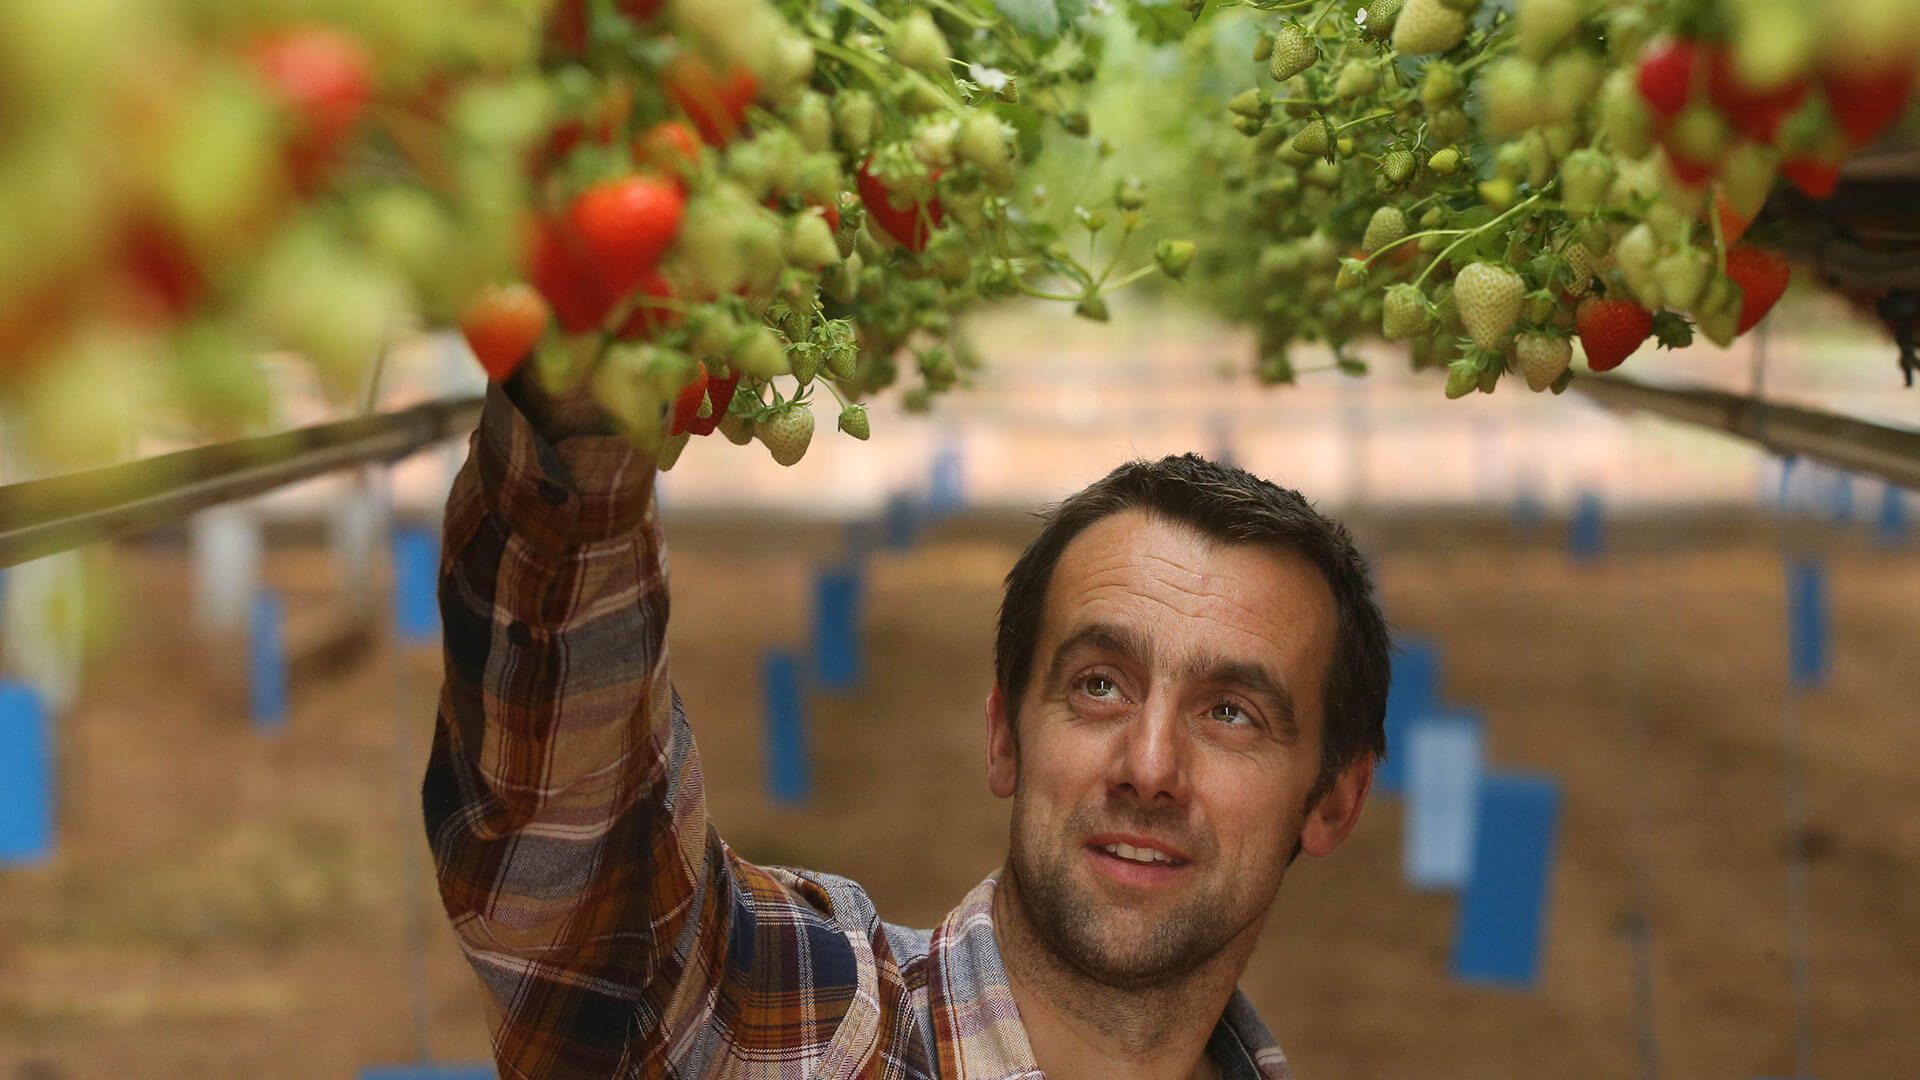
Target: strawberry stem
(867, 12)
(1382, 114)
(1470, 234)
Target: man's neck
(1081, 1028)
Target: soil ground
(230, 905)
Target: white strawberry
(1489, 297)
(1542, 358)
(1387, 225)
(786, 433)
(1427, 26)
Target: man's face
(1168, 739)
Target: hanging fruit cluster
(739, 197)
(673, 202)
(1494, 184)
(193, 183)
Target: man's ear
(1333, 818)
(1002, 749)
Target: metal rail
(1891, 453)
(40, 517)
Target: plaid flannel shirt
(614, 933)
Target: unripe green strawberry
(1635, 184)
(1499, 193)
(1403, 314)
(1623, 116)
(1541, 358)
(758, 353)
(805, 361)
(1357, 78)
(1718, 316)
(853, 119)
(1747, 176)
(1387, 225)
(1568, 83)
(1463, 378)
(983, 141)
(1510, 161)
(1539, 158)
(808, 242)
(1634, 255)
(1671, 225)
(1544, 24)
(1293, 52)
(1427, 27)
(1263, 48)
(853, 421)
(1448, 125)
(1510, 90)
(1682, 275)
(624, 388)
(1380, 18)
(670, 451)
(1250, 102)
(1174, 257)
(812, 121)
(1446, 310)
(1580, 269)
(1397, 166)
(1444, 161)
(1433, 218)
(1584, 179)
(1628, 30)
(1699, 134)
(737, 428)
(1315, 139)
(1464, 7)
(1439, 84)
(1776, 41)
(919, 44)
(1561, 137)
(1489, 297)
(787, 432)
(709, 242)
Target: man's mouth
(1138, 854)
(1140, 850)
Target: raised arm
(563, 797)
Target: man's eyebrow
(1103, 637)
(1253, 677)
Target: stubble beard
(1122, 948)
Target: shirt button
(518, 633)
(551, 493)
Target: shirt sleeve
(563, 796)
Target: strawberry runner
(613, 931)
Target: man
(1191, 680)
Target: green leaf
(1160, 22)
(1037, 19)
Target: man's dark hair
(1233, 506)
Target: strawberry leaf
(1672, 330)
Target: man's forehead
(1266, 590)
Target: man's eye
(1228, 713)
(1099, 686)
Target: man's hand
(557, 416)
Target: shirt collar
(978, 1033)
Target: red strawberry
(502, 325)
(323, 76)
(166, 280)
(910, 224)
(567, 27)
(625, 225)
(1757, 114)
(669, 146)
(686, 406)
(1865, 102)
(720, 396)
(560, 270)
(1762, 275)
(1666, 76)
(1610, 330)
(1732, 225)
(716, 102)
(1812, 175)
(648, 319)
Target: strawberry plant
(1492, 182)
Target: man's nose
(1152, 758)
